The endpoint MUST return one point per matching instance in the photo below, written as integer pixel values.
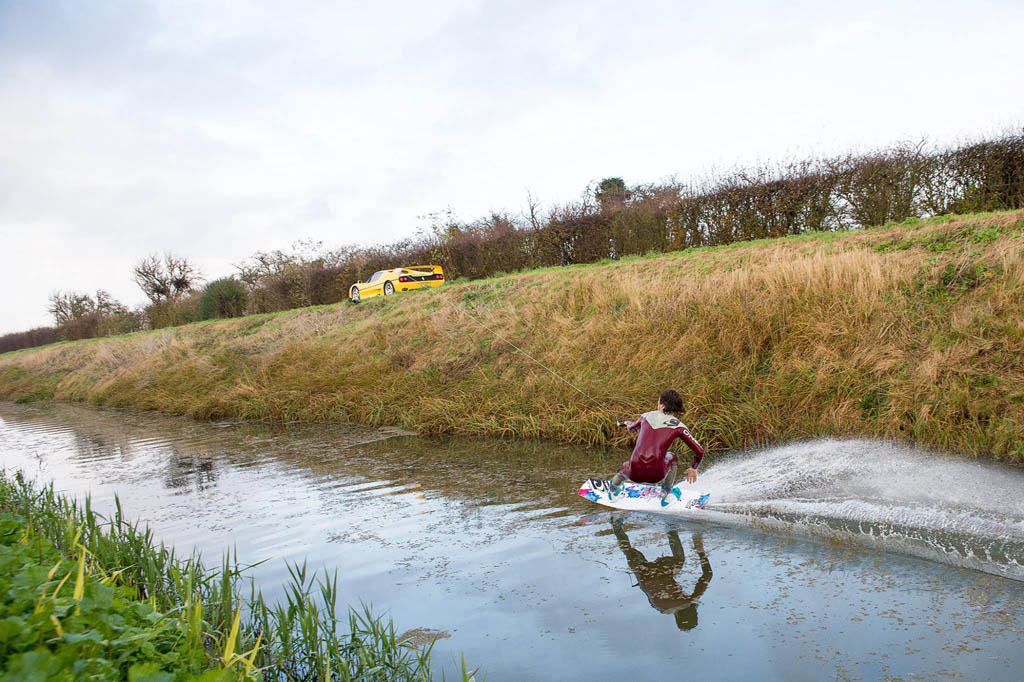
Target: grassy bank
(93, 598)
(912, 331)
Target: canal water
(848, 560)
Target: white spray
(940, 507)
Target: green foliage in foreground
(59, 624)
(84, 597)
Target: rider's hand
(691, 475)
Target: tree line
(609, 221)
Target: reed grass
(303, 637)
(912, 331)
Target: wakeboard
(643, 497)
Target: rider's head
(670, 402)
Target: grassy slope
(913, 331)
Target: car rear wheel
(354, 295)
(389, 288)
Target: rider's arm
(634, 425)
(687, 437)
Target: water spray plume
(891, 497)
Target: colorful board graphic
(643, 497)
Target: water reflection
(659, 579)
(187, 472)
(191, 456)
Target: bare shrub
(81, 316)
(166, 279)
(40, 336)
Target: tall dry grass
(912, 331)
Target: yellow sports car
(387, 282)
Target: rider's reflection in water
(658, 578)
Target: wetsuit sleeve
(698, 451)
(634, 425)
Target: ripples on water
(486, 540)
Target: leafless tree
(67, 306)
(167, 278)
(81, 316)
(533, 210)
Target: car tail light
(439, 276)
(403, 278)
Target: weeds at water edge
(296, 639)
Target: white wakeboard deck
(643, 497)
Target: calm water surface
(807, 567)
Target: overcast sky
(218, 128)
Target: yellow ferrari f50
(387, 282)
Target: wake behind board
(642, 497)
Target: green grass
(86, 597)
(768, 341)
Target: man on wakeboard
(651, 461)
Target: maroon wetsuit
(651, 459)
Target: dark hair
(672, 401)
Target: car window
(376, 276)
